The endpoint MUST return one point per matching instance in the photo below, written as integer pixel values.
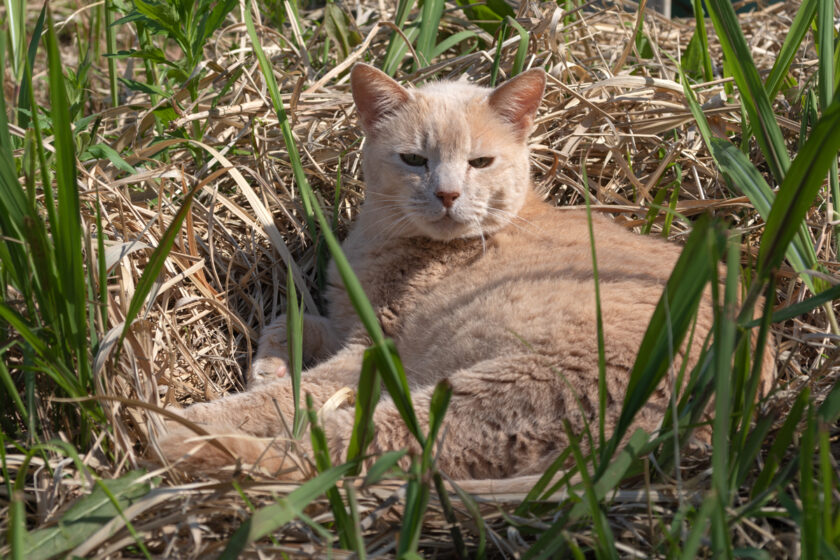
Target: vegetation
(174, 174)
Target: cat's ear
(376, 94)
(517, 100)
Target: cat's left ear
(517, 100)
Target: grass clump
(170, 182)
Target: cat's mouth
(449, 225)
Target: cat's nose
(447, 198)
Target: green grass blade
(616, 472)
(799, 189)
(449, 514)
(753, 95)
(357, 538)
(698, 526)
(437, 410)
(367, 396)
(793, 39)
(16, 534)
(522, 49)
(429, 23)
(387, 361)
(156, 262)
(670, 322)
(452, 40)
(86, 516)
(386, 464)
(13, 201)
(396, 46)
(700, 32)
(497, 58)
(723, 347)
(402, 42)
(599, 320)
(294, 338)
(827, 483)
(416, 501)
(111, 45)
(797, 309)
(323, 462)
(743, 176)
(25, 104)
(12, 391)
(286, 509)
(809, 531)
(15, 22)
(68, 233)
(782, 440)
(605, 544)
(825, 72)
(829, 410)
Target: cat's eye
(480, 162)
(414, 160)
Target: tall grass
(55, 296)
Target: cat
(477, 280)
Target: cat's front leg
(319, 341)
(255, 426)
(505, 418)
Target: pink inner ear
(517, 100)
(376, 94)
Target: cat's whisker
(481, 234)
(509, 218)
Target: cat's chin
(447, 228)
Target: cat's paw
(228, 447)
(270, 360)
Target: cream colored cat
(478, 282)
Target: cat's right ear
(518, 99)
(376, 94)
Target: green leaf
(522, 49)
(86, 516)
(670, 322)
(793, 39)
(24, 105)
(781, 442)
(605, 543)
(416, 501)
(487, 16)
(615, 473)
(68, 231)
(367, 396)
(156, 262)
(386, 463)
(294, 338)
(429, 23)
(437, 410)
(150, 89)
(340, 28)
(743, 176)
(810, 526)
(451, 41)
(104, 151)
(754, 97)
(799, 189)
(272, 517)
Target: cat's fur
(478, 282)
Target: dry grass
(225, 279)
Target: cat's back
(533, 291)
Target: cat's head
(447, 160)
